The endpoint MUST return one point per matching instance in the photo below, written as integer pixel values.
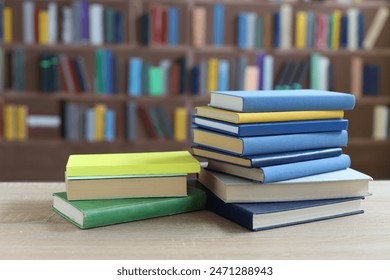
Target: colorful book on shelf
(301, 26)
(257, 145)
(109, 125)
(282, 172)
(7, 23)
(147, 122)
(180, 124)
(89, 214)
(176, 162)
(173, 26)
(281, 100)
(239, 118)
(265, 216)
(218, 24)
(272, 128)
(267, 159)
(337, 184)
(109, 187)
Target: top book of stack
(281, 100)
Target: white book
(268, 70)
(323, 72)
(45, 121)
(28, 22)
(53, 17)
(379, 127)
(251, 30)
(352, 33)
(96, 31)
(286, 26)
(376, 28)
(67, 25)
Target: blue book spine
(242, 31)
(195, 76)
(165, 122)
(107, 71)
(311, 29)
(90, 125)
(360, 30)
(219, 24)
(260, 66)
(135, 77)
(268, 77)
(223, 75)
(344, 31)
(109, 127)
(304, 168)
(132, 121)
(276, 25)
(173, 26)
(118, 30)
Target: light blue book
(134, 86)
(109, 127)
(242, 30)
(268, 70)
(90, 124)
(223, 75)
(173, 26)
(219, 24)
(107, 70)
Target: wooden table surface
(29, 229)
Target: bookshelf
(43, 154)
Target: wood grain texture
(29, 229)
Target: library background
(105, 76)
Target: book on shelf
(257, 117)
(281, 100)
(176, 162)
(15, 122)
(218, 24)
(376, 28)
(272, 128)
(282, 172)
(371, 79)
(110, 187)
(180, 122)
(266, 159)
(336, 184)
(199, 14)
(96, 213)
(256, 145)
(380, 122)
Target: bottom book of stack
(265, 206)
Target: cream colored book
(376, 28)
(199, 26)
(251, 80)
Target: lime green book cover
(176, 162)
(96, 213)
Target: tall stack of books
(274, 158)
(105, 189)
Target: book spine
(53, 19)
(100, 112)
(260, 67)
(135, 76)
(336, 29)
(286, 25)
(352, 36)
(300, 30)
(199, 26)
(268, 72)
(21, 127)
(173, 26)
(223, 75)
(109, 128)
(212, 81)
(242, 30)
(67, 25)
(219, 23)
(96, 24)
(28, 22)
(376, 28)
(132, 121)
(251, 81)
(7, 25)
(380, 118)
(180, 124)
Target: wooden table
(29, 229)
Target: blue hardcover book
(195, 80)
(370, 80)
(257, 145)
(281, 100)
(173, 26)
(165, 122)
(260, 66)
(109, 125)
(273, 128)
(241, 31)
(268, 159)
(276, 29)
(344, 31)
(107, 71)
(360, 30)
(269, 215)
(134, 81)
(79, 77)
(223, 74)
(118, 30)
(219, 24)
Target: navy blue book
(268, 159)
(272, 128)
(269, 215)
(276, 25)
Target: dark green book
(96, 213)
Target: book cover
(269, 144)
(337, 184)
(281, 100)
(265, 216)
(176, 162)
(96, 213)
(272, 128)
(267, 159)
(282, 172)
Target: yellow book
(234, 117)
(212, 76)
(100, 113)
(9, 122)
(21, 120)
(300, 30)
(180, 124)
(7, 25)
(43, 18)
(336, 29)
(176, 162)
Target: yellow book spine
(300, 30)
(336, 29)
(180, 124)
(212, 74)
(289, 116)
(21, 120)
(7, 25)
(43, 27)
(100, 112)
(9, 122)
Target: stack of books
(105, 189)
(269, 152)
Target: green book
(259, 33)
(155, 81)
(109, 25)
(96, 213)
(314, 64)
(99, 71)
